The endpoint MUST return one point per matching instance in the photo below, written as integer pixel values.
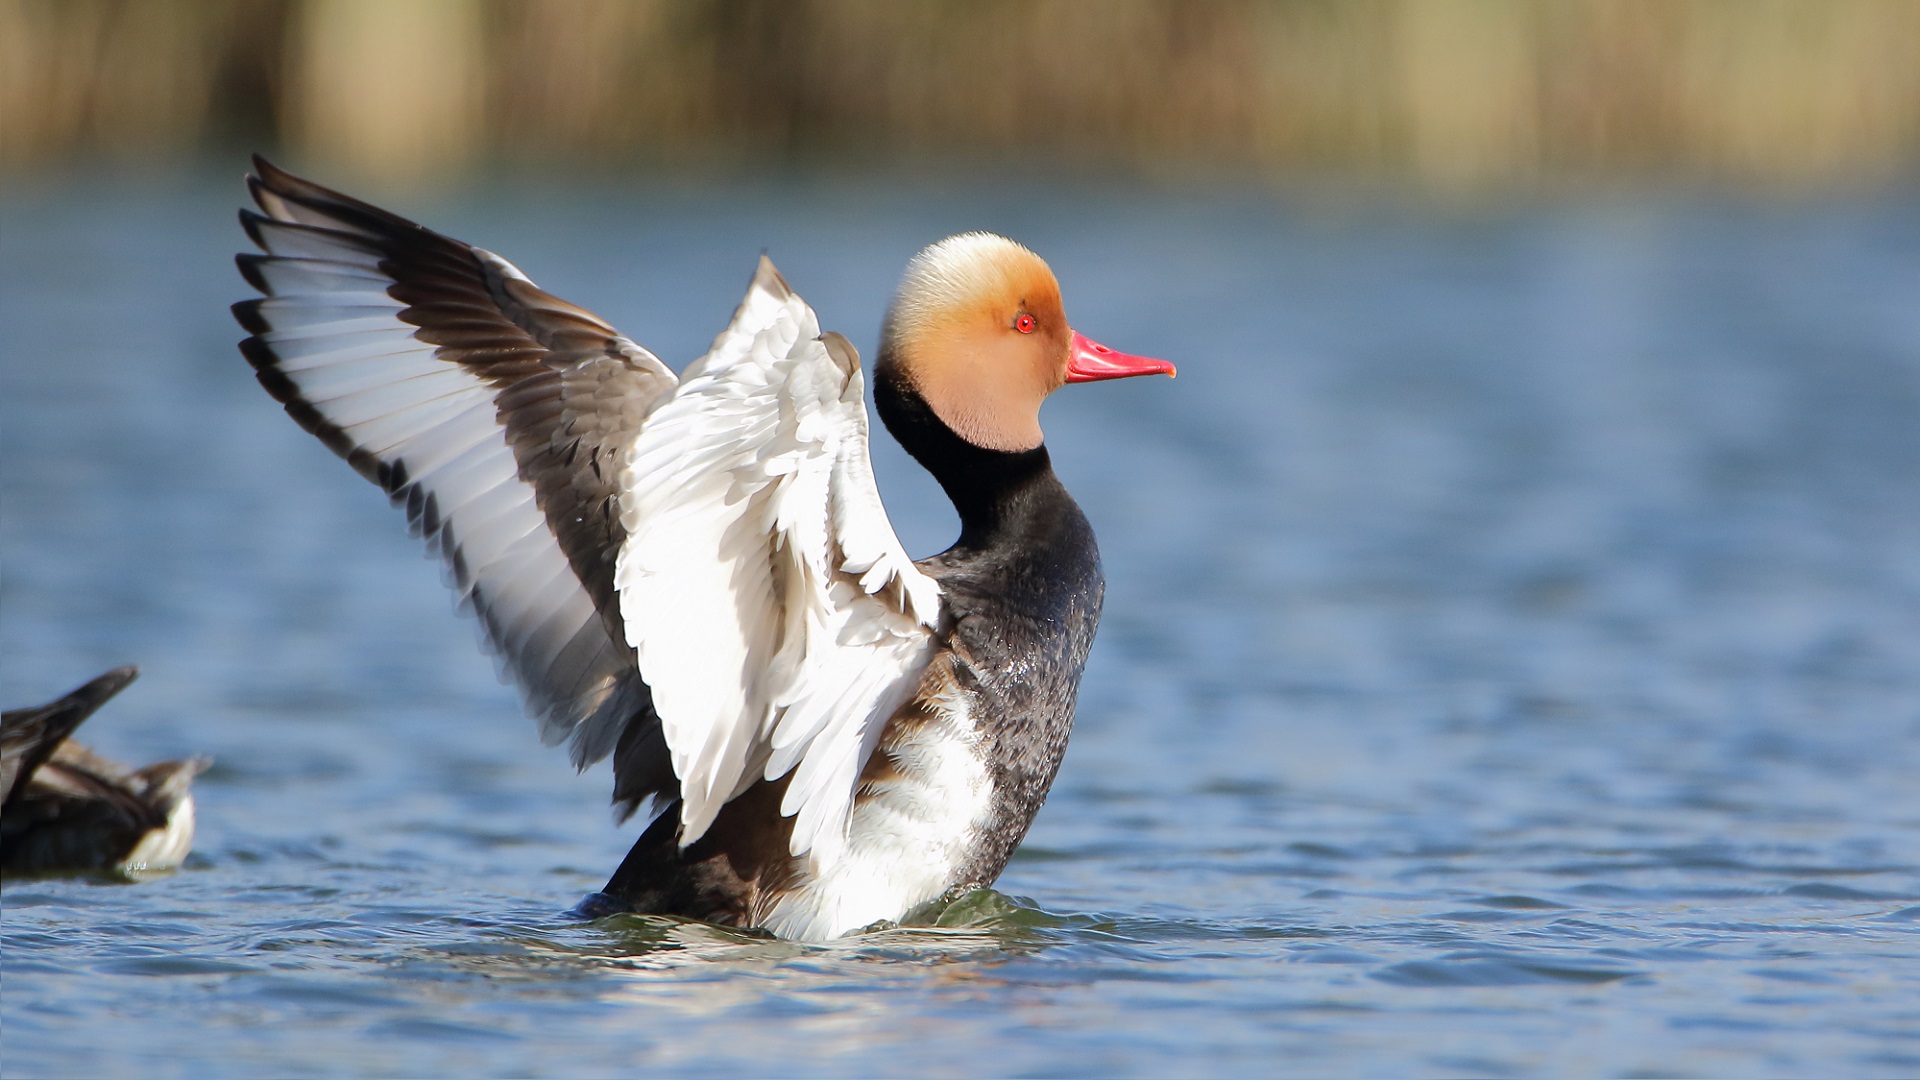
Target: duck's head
(977, 331)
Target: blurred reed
(1454, 92)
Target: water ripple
(1506, 668)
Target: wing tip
(842, 352)
(250, 222)
(295, 200)
(247, 314)
(767, 277)
(74, 706)
(261, 356)
(248, 263)
(281, 387)
(272, 186)
(102, 688)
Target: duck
(68, 810)
(693, 575)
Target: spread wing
(773, 609)
(495, 413)
(721, 533)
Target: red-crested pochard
(695, 575)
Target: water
(1509, 664)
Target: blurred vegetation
(1454, 92)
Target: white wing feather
(771, 607)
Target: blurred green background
(1462, 94)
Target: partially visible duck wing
(497, 414)
(29, 737)
(772, 608)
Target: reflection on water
(1508, 664)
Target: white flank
(908, 837)
(164, 848)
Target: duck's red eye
(1024, 324)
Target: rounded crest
(978, 329)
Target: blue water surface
(1511, 663)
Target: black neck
(992, 489)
